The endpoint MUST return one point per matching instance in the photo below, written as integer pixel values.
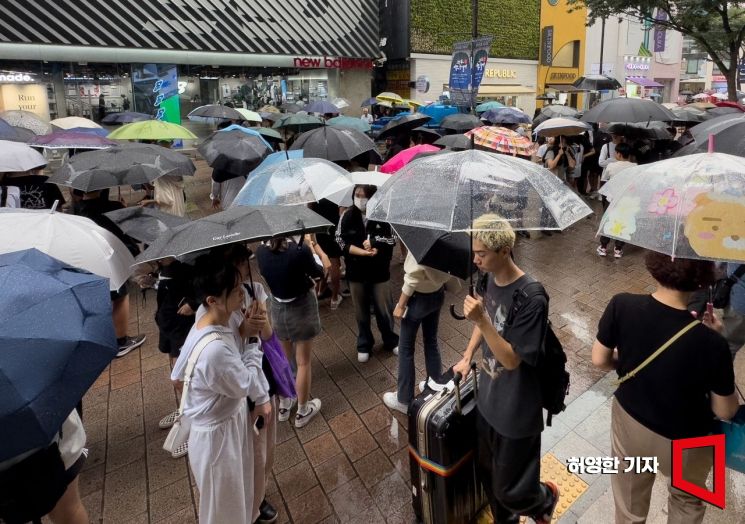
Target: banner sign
(547, 46)
(156, 91)
(659, 32)
(464, 79)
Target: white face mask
(360, 203)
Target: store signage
(14, 78)
(659, 32)
(547, 46)
(572, 76)
(332, 63)
(501, 73)
(637, 66)
(422, 84)
(718, 78)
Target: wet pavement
(351, 464)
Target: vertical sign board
(547, 46)
(155, 88)
(659, 32)
(480, 56)
(460, 74)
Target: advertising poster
(460, 74)
(156, 91)
(480, 56)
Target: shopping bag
(734, 436)
(283, 377)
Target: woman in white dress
(220, 440)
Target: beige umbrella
(71, 122)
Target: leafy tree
(718, 27)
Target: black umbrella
(454, 142)
(628, 110)
(690, 115)
(145, 223)
(461, 122)
(728, 131)
(555, 111)
(724, 110)
(291, 107)
(447, 252)
(652, 130)
(125, 117)
(236, 224)
(333, 143)
(403, 124)
(120, 165)
(216, 111)
(596, 83)
(234, 152)
(300, 121)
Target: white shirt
(607, 154)
(367, 118)
(615, 168)
(169, 195)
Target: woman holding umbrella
(368, 248)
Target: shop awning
(644, 82)
(487, 90)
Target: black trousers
(509, 470)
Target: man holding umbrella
(510, 418)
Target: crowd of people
(219, 325)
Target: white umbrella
(75, 240)
(561, 126)
(719, 96)
(251, 116)
(15, 156)
(26, 120)
(700, 96)
(71, 122)
(341, 103)
(343, 197)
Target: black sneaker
(548, 514)
(267, 513)
(129, 344)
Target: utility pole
(602, 44)
(474, 35)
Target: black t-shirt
(510, 400)
(670, 395)
(288, 273)
(35, 192)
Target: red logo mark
(715, 497)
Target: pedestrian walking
(674, 395)
(560, 158)
(622, 161)
(366, 116)
(510, 415)
(168, 195)
(368, 248)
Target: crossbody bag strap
(663, 347)
(192, 363)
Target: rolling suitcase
(442, 452)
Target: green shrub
(515, 25)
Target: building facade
(168, 56)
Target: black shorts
(119, 293)
(171, 342)
(329, 245)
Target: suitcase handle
(475, 380)
(456, 380)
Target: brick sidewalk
(351, 463)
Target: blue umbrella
(8, 132)
(248, 131)
(506, 115)
(279, 156)
(486, 106)
(321, 106)
(349, 122)
(56, 337)
(91, 130)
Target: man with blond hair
(510, 416)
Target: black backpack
(552, 371)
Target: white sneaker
(422, 385)
(168, 421)
(602, 251)
(617, 253)
(390, 399)
(334, 304)
(285, 407)
(395, 351)
(363, 357)
(314, 408)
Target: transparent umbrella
(687, 207)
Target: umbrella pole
(471, 290)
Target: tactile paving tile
(570, 488)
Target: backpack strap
(739, 272)
(522, 296)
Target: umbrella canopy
(701, 96)
(687, 207)
(369, 102)
(125, 117)
(489, 105)
(272, 117)
(15, 156)
(23, 134)
(561, 126)
(301, 121)
(321, 106)
(215, 111)
(460, 122)
(596, 83)
(349, 122)
(728, 132)
(555, 111)
(74, 240)
(701, 105)
(71, 122)
(454, 142)
(727, 103)
(447, 191)
(269, 134)
(402, 158)
(71, 140)
(628, 110)
(294, 181)
(341, 103)
(502, 140)
(426, 134)
(10, 133)
(248, 115)
(292, 107)
(26, 120)
(334, 144)
(447, 252)
(236, 224)
(152, 130)
(505, 115)
(57, 338)
(358, 178)
(387, 96)
(235, 152)
(268, 109)
(650, 130)
(145, 223)
(724, 110)
(251, 131)
(123, 164)
(97, 131)
(689, 115)
(403, 123)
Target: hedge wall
(515, 24)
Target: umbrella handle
(455, 315)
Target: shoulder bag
(179, 432)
